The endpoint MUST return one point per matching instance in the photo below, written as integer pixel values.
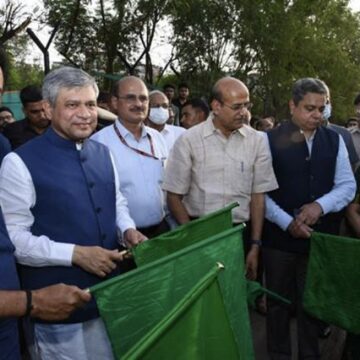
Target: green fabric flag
(332, 293)
(211, 334)
(135, 304)
(184, 235)
(254, 290)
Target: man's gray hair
(65, 77)
(154, 92)
(305, 86)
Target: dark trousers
(283, 272)
(155, 230)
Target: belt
(155, 230)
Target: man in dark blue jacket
(316, 182)
(66, 224)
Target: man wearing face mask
(140, 153)
(344, 133)
(158, 117)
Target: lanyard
(143, 153)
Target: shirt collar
(125, 132)
(210, 129)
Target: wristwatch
(256, 242)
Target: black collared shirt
(19, 133)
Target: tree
(294, 39)
(108, 36)
(13, 20)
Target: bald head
(230, 105)
(123, 84)
(226, 86)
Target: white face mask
(327, 112)
(159, 115)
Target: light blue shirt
(140, 176)
(340, 195)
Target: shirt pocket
(243, 173)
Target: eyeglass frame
(237, 107)
(132, 98)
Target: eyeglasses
(164, 106)
(132, 98)
(237, 107)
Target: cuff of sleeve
(63, 254)
(324, 206)
(125, 225)
(285, 222)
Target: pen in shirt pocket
(242, 166)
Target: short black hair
(357, 99)
(183, 85)
(5, 108)
(167, 86)
(30, 94)
(349, 120)
(305, 86)
(103, 96)
(199, 104)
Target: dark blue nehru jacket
(302, 179)
(9, 345)
(75, 203)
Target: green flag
(332, 291)
(184, 235)
(254, 290)
(206, 337)
(135, 304)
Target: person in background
(351, 123)
(169, 91)
(183, 96)
(265, 123)
(194, 112)
(35, 122)
(158, 116)
(6, 117)
(353, 156)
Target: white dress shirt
(140, 176)
(18, 196)
(340, 195)
(170, 134)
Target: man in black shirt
(35, 122)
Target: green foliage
(266, 43)
(22, 74)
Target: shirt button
(98, 209)
(103, 236)
(91, 185)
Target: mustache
(137, 108)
